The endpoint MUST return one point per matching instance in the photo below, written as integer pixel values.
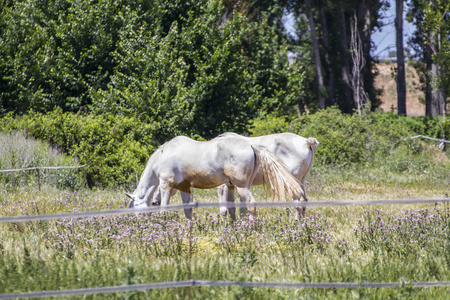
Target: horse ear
(129, 196)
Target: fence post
(190, 240)
(39, 179)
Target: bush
(267, 125)
(115, 148)
(376, 140)
(342, 137)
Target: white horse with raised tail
(182, 163)
(295, 151)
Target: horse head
(131, 203)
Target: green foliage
(342, 137)
(201, 75)
(267, 125)
(436, 26)
(115, 148)
(180, 65)
(53, 51)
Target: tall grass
(18, 151)
(331, 244)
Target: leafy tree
(52, 52)
(432, 43)
(203, 76)
(178, 65)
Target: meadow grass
(390, 243)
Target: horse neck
(148, 178)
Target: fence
(430, 138)
(40, 168)
(190, 282)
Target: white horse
(295, 151)
(182, 163)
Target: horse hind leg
(298, 199)
(247, 196)
(226, 195)
(186, 198)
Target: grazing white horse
(182, 163)
(295, 151)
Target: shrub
(267, 125)
(342, 137)
(376, 140)
(115, 148)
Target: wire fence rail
(87, 214)
(430, 138)
(192, 282)
(41, 168)
(210, 283)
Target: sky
(383, 39)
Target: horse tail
(275, 172)
(312, 143)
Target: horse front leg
(157, 196)
(166, 192)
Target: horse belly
(201, 179)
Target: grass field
(389, 243)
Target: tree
(344, 58)
(204, 76)
(178, 65)
(401, 77)
(431, 42)
(356, 49)
(329, 42)
(327, 47)
(317, 57)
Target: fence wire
(123, 211)
(209, 283)
(41, 168)
(430, 138)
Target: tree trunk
(344, 60)
(326, 44)
(433, 95)
(365, 32)
(318, 65)
(401, 81)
